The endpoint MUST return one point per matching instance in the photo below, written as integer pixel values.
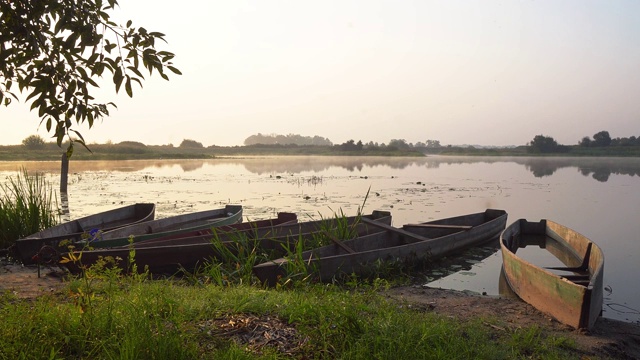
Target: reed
(237, 253)
(27, 205)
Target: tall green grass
(140, 319)
(27, 205)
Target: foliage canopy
(56, 50)
(188, 143)
(543, 144)
(33, 142)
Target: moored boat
(173, 255)
(81, 229)
(254, 228)
(169, 226)
(572, 294)
(426, 240)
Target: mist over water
(597, 197)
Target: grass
(142, 319)
(27, 205)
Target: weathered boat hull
(76, 230)
(205, 235)
(170, 226)
(572, 302)
(171, 256)
(427, 241)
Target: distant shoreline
(138, 151)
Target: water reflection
(65, 216)
(461, 263)
(600, 169)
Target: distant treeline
(291, 139)
(350, 145)
(35, 148)
(601, 142)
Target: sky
(462, 72)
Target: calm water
(599, 198)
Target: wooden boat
(170, 226)
(82, 228)
(172, 255)
(572, 294)
(258, 227)
(426, 240)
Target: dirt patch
(256, 333)
(24, 282)
(609, 338)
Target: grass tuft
(27, 205)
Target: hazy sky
(462, 72)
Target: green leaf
(117, 78)
(109, 47)
(42, 110)
(82, 72)
(127, 87)
(79, 135)
(92, 59)
(137, 80)
(93, 83)
(69, 149)
(174, 70)
(135, 71)
(34, 105)
(35, 92)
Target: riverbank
(138, 151)
(500, 318)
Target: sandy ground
(609, 338)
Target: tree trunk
(64, 173)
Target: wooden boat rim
(592, 277)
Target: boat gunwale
(587, 291)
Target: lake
(598, 197)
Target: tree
(433, 143)
(585, 142)
(602, 139)
(400, 144)
(543, 144)
(349, 145)
(33, 142)
(56, 50)
(186, 143)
